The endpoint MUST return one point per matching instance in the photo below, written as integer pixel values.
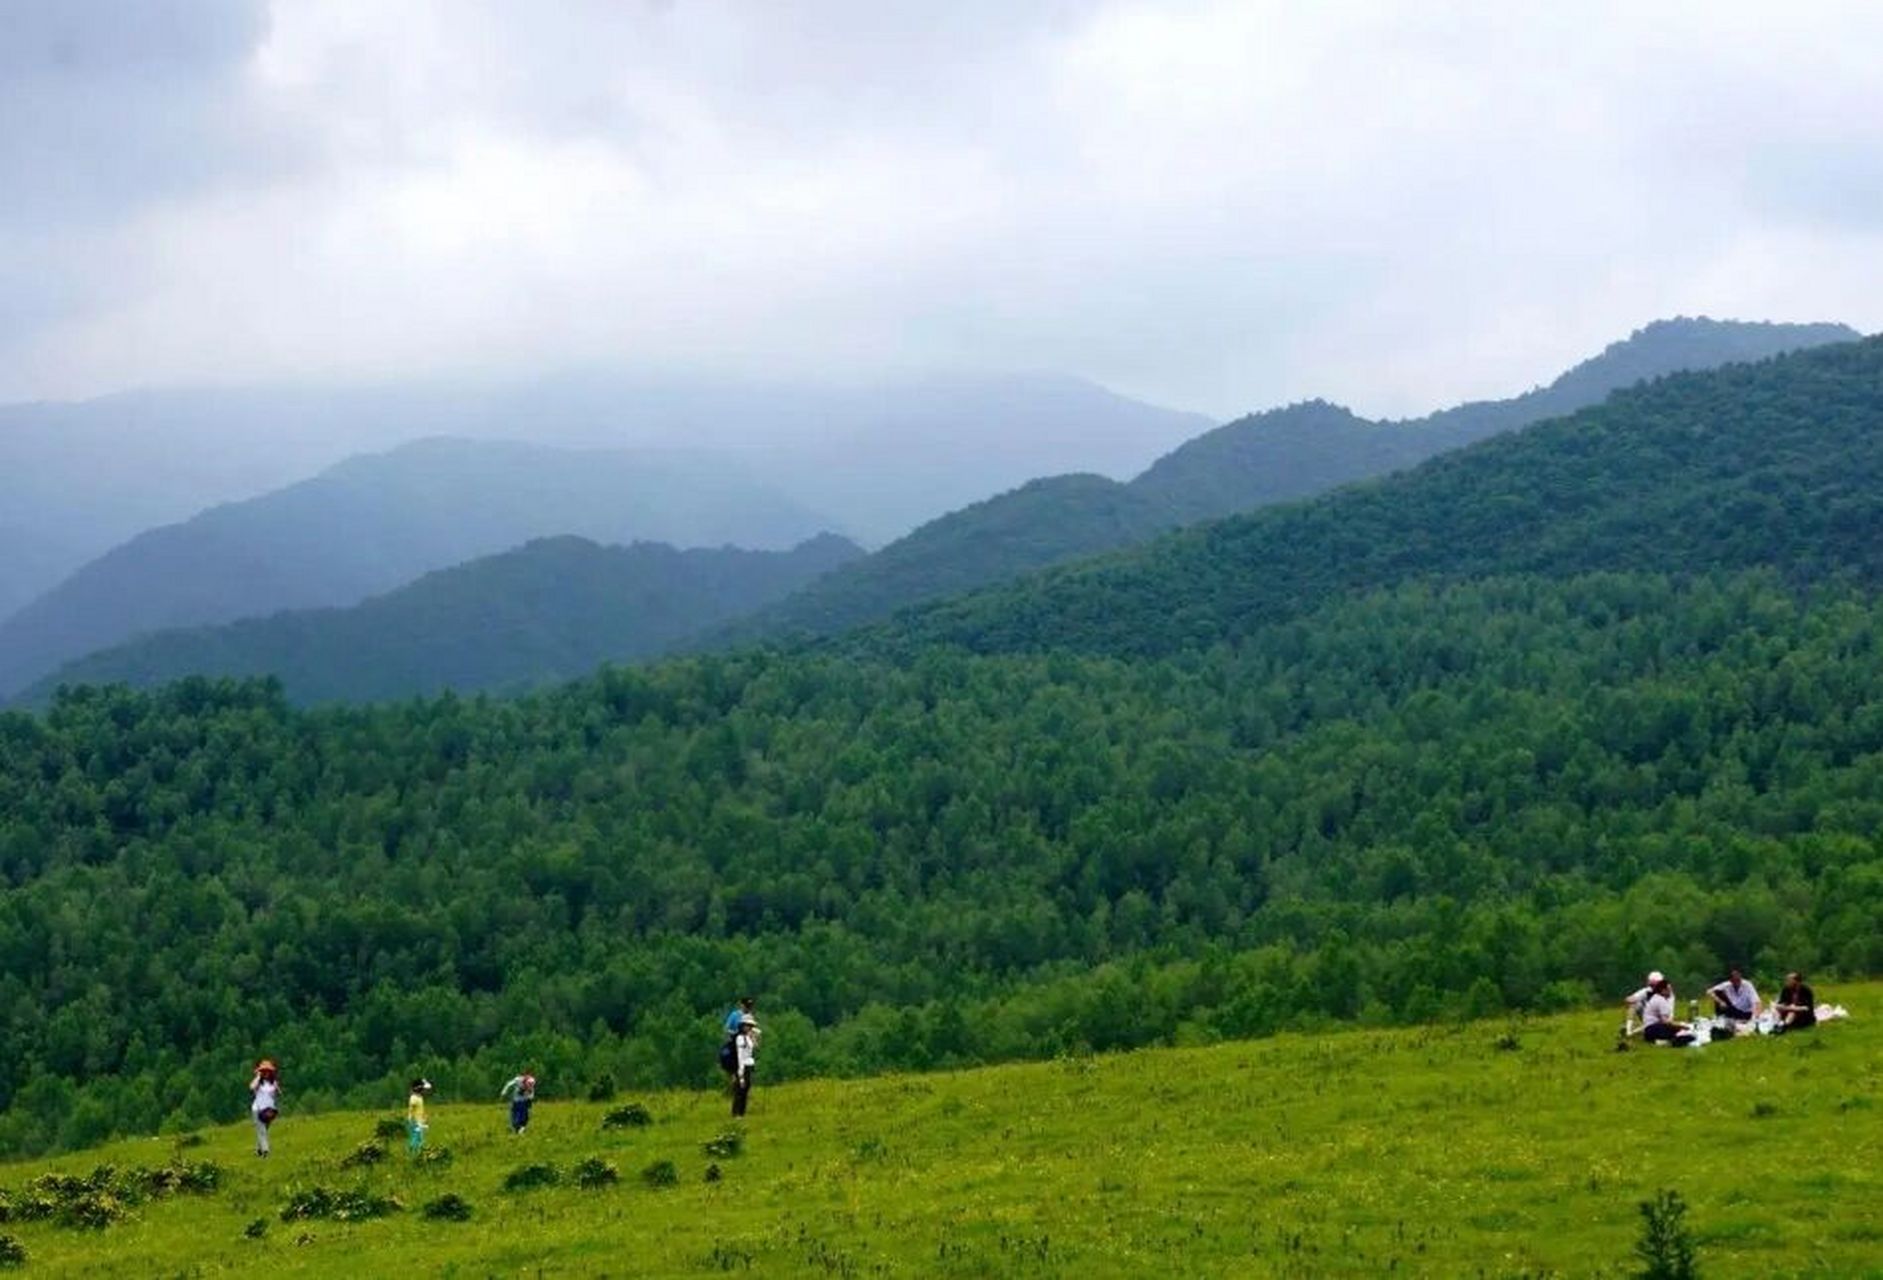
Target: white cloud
(1220, 205)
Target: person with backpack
(521, 1090)
(728, 1052)
(264, 1093)
(745, 1058)
(415, 1125)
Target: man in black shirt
(1797, 1005)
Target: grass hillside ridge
(1497, 1148)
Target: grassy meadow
(1494, 1149)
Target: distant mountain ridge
(1776, 464)
(77, 479)
(1275, 456)
(376, 521)
(554, 609)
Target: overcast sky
(1218, 206)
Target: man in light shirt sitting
(1735, 998)
(1658, 1024)
(1638, 999)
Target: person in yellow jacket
(415, 1125)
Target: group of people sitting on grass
(1736, 1004)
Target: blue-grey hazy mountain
(377, 521)
(78, 479)
(1275, 456)
(553, 609)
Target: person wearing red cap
(264, 1093)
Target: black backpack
(728, 1056)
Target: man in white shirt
(745, 1046)
(1636, 999)
(1735, 998)
(1658, 1024)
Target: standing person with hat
(415, 1125)
(264, 1105)
(745, 1054)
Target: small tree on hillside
(1665, 1248)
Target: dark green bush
(725, 1146)
(1665, 1249)
(12, 1252)
(632, 1116)
(531, 1176)
(389, 1128)
(602, 1089)
(449, 1207)
(340, 1206)
(661, 1174)
(365, 1155)
(595, 1172)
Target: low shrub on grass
(366, 1154)
(631, 1116)
(184, 1140)
(340, 1206)
(1665, 1248)
(434, 1157)
(603, 1089)
(105, 1195)
(92, 1211)
(256, 1229)
(661, 1174)
(198, 1178)
(595, 1172)
(12, 1252)
(531, 1176)
(712, 1173)
(449, 1207)
(388, 1128)
(725, 1146)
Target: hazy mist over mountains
(76, 479)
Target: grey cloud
(1219, 204)
(107, 103)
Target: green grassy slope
(1428, 1151)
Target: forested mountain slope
(1307, 449)
(377, 521)
(1779, 463)
(1265, 458)
(554, 609)
(1518, 793)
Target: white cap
(1656, 978)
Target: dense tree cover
(1277, 456)
(553, 609)
(1779, 464)
(1502, 794)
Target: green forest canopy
(1511, 793)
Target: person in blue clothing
(740, 1013)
